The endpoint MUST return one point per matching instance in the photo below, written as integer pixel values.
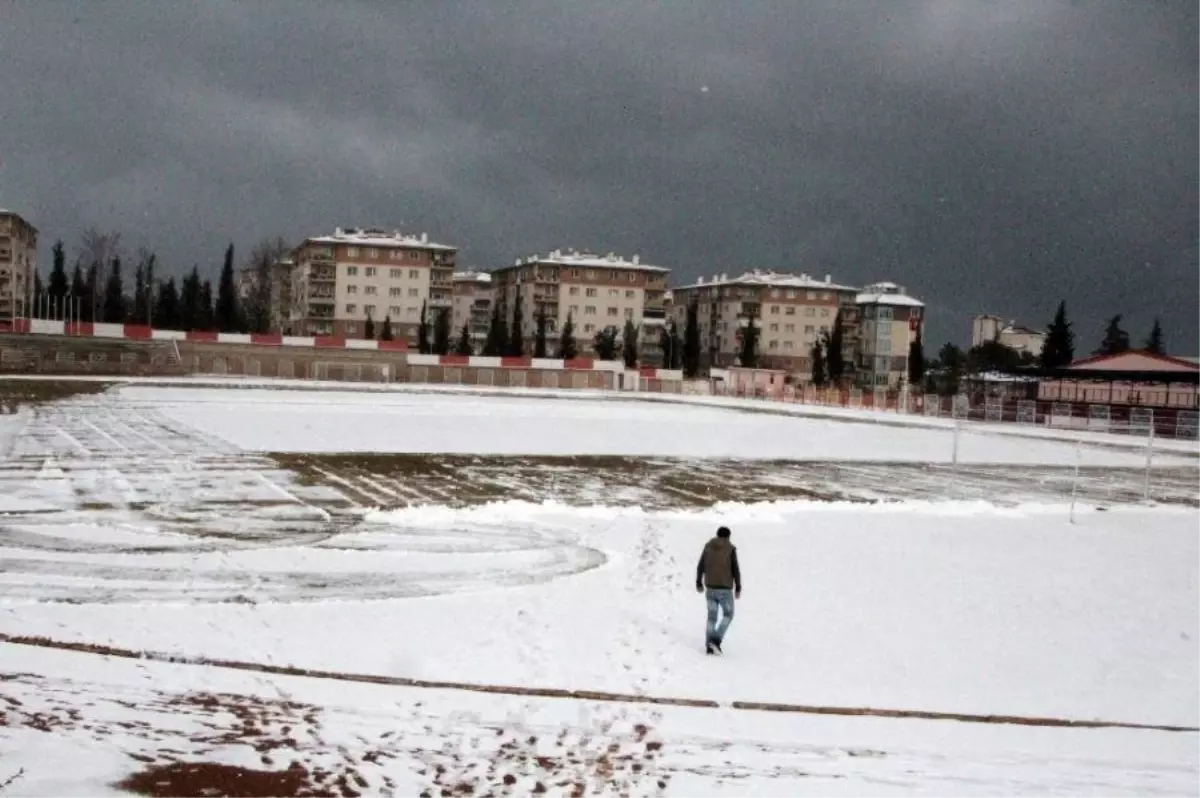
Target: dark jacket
(718, 567)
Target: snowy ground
(142, 519)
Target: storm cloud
(992, 157)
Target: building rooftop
(588, 260)
(374, 237)
(886, 293)
(472, 276)
(772, 279)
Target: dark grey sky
(991, 156)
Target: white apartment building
(791, 311)
(986, 328)
(472, 306)
(18, 264)
(596, 291)
(341, 280)
(889, 321)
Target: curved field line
(586, 695)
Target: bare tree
(97, 250)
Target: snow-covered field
(152, 519)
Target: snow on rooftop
(590, 260)
(773, 279)
(472, 276)
(374, 237)
(886, 293)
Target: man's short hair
(723, 532)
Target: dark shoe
(715, 643)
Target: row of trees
(96, 289)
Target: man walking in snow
(718, 572)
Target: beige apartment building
(596, 291)
(341, 280)
(792, 312)
(986, 328)
(889, 321)
(472, 306)
(18, 263)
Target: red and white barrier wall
(144, 333)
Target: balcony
(319, 257)
(321, 299)
(322, 276)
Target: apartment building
(341, 280)
(18, 264)
(791, 311)
(472, 306)
(596, 291)
(889, 321)
(986, 328)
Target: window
(351, 271)
(395, 292)
(791, 294)
(396, 274)
(774, 293)
(632, 277)
(351, 328)
(590, 310)
(881, 363)
(352, 289)
(373, 254)
(370, 289)
(414, 274)
(575, 274)
(396, 254)
(789, 328)
(587, 328)
(810, 312)
(884, 346)
(414, 255)
(881, 379)
(574, 310)
(371, 270)
(351, 309)
(885, 314)
(412, 312)
(791, 310)
(394, 310)
(351, 252)
(612, 311)
(574, 290)
(774, 328)
(824, 313)
(629, 313)
(414, 292)
(810, 295)
(825, 295)
(787, 344)
(369, 310)
(591, 274)
(613, 292)
(773, 345)
(630, 293)
(591, 292)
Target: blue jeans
(720, 603)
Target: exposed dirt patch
(16, 393)
(204, 779)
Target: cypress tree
(629, 344)
(748, 354)
(1115, 339)
(605, 344)
(189, 316)
(497, 337)
(463, 347)
(369, 329)
(59, 285)
(166, 310)
(114, 295)
(666, 342)
(516, 333)
(916, 360)
(691, 340)
(539, 338)
(205, 310)
(835, 361)
(91, 294)
(818, 364)
(567, 348)
(141, 307)
(441, 332)
(226, 310)
(1154, 343)
(385, 334)
(423, 332)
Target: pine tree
(59, 285)
(691, 340)
(567, 348)
(190, 316)
(1059, 348)
(206, 310)
(463, 347)
(835, 359)
(369, 329)
(629, 344)
(1154, 343)
(818, 363)
(539, 336)
(748, 353)
(166, 310)
(516, 333)
(1115, 339)
(954, 362)
(226, 311)
(441, 332)
(497, 336)
(423, 332)
(39, 303)
(605, 344)
(916, 360)
(114, 295)
(385, 334)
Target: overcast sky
(992, 156)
